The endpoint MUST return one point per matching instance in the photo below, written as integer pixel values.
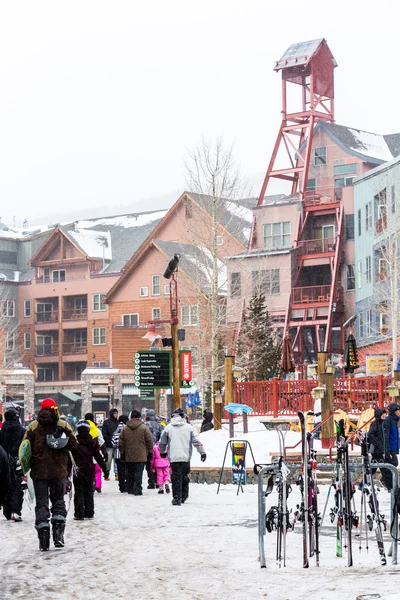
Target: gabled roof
(298, 54)
(369, 147)
(197, 263)
(92, 243)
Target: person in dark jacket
(88, 450)
(207, 423)
(393, 428)
(108, 429)
(156, 430)
(5, 478)
(51, 440)
(136, 447)
(378, 437)
(11, 436)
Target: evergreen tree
(259, 353)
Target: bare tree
(9, 350)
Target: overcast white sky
(100, 99)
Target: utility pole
(170, 273)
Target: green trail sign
(152, 369)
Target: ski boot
(43, 530)
(58, 522)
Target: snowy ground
(145, 548)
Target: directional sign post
(152, 369)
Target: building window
(155, 286)
(383, 318)
(10, 342)
(220, 241)
(368, 216)
(311, 184)
(350, 278)
(80, 339)
(277, 235)
(319, 156)
(236, 285)
(46, 275)
(80, 304)
(45, 374)
(98, 305)
(361, 325)
(190, 315)
(267, 282)
(58, 276)
(99, 336)
(344, 181)
(349, 227)
(345, 169)
(359, 221)
(156, 314)
(368, 274)
(144, 291)
(167, 289)
(382, 269)
(368, 323)
(27, 340)
(393, 199)
(195, 356)
(359, 273)
(27, 308)
(130, 320)
(8, 308)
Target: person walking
(96, 434)
(207, 423)
(136, 448)
(392, 424)
(378, 437)
(155, 429)
(87, 452)
(177, 440)
(50, 439)
(108, 429)
(11, 436)
(161, 468)
(121, 465)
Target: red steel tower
(315, 305)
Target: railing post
(275, 393)
(381, 398)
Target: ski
(348, 514)
(338, 510)
(313, 496)
(303, 482)
(376, 519)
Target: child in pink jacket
(160, 466)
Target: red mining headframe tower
(312, 309)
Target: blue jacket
(392, 424)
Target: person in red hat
(51, 439)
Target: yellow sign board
(376, 365)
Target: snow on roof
(95, 244)
(371, 144)
(239, 211)
(125, 221)
(298, 54)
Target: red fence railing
(285, 397)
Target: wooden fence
(282, 397)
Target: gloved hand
(203, 457)
(163, 454)
(106, 474)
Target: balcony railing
(46, 350)
(49, 279)
(323, 196)
(315, 293)
(74, 314)
(75, 348)
(50, 316)
(317, 246)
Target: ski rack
(262, 530)
(242, 470)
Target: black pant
(389, 457)
(14, 499)
(134, 477)
(121, 470)
(180, 480)
(83, 497)
(45, 488)
(150, 475)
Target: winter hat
(49, 403)
(379, 412)
(179, 411)
(11, 414)
(135, 414)
(123, 418)
(83, 424)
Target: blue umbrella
(189, 400)
(238, 409)
(196, 398)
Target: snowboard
(25, 455)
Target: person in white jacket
(179, 437)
